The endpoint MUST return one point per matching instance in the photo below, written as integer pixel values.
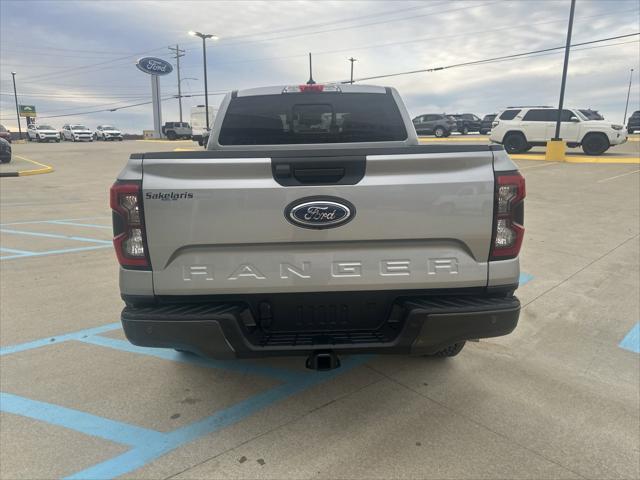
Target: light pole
(352, 60)
(204, 37)
(626, 105)
(15, 96)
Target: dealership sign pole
(155, 67)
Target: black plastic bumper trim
(214, 330)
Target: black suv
(467, 122)
(485, 124)
(437, 124)
(633, 123)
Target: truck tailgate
(216, 224)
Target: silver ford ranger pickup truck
(315, 224)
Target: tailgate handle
(291, 171)
(318, 175)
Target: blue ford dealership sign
(154, 66)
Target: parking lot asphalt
(558, 398)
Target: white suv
(76, 133)
(42, 133)
(107, 132)
(521, 128)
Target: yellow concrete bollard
(556, 151)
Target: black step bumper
(415, 325)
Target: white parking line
(617, 176)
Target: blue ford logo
(320, 212)
(154, 66)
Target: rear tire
(515, 142)
(450, 351)
(483, 131)
(595, 144)
(439, 132)
(171, 135)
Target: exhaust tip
(323, 360)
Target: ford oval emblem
(154, 66)
(320, 212)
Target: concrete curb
(23, 173)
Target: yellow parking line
(184, 149)
(35, 171)
(580, 158)
(166, 141)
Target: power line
(477, 62)
(305, 33)
(127, 106)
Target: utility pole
(15, 96)
(352, 60)
(177, 54)
(626, 105)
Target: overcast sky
(74, 57)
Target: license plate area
(318, 312)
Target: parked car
(199, 123)
(521, 128)
(467, 122)
(42, 133)
(591, 114)
(487, 121)
(175, 130)
(5, 150)
(633, 124)
(338, 248)
(76, 133)
(438, 124)
(4, 133)
(107, 132)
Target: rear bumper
(415, 325)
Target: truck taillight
(508, 212)
(129, 236)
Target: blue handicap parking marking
(75, 224)
(631, 341)
(147, 444)
(525, 278)
(12, 253)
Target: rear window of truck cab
(312, 117)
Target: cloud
(85, 51)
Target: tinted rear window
(509, 114)
(303, 118)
